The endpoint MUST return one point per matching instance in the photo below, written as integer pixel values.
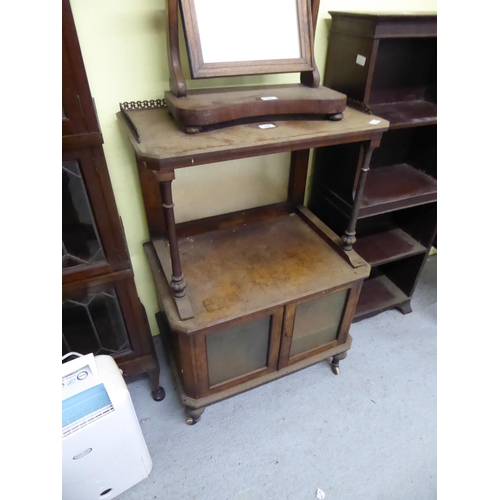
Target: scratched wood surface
(234, 272)
(163, 142)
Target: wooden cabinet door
(317, 324)
(244, 350)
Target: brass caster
(193, 130)
(336, 370)
(194, 416)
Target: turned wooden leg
(177, 281)
(153, 369)
(405, 307)
(194, 415)
(157, 391)
(336, 360)
(349, 237)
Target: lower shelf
(377, 295)
(387, 246)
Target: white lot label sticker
(269, 98)
(361, 60)
(374, 122)
(267, 125)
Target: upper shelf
(407, 113)
(165, 146)
(396, 187)
(385, 24)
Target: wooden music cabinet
(246, 297)
(386, 64)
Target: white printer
(103, 449)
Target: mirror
(225, 39)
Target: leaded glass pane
(94, 324)
(80, 239)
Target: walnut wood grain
(164, 146)
(203, 108)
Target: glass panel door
(237, 351)
(81, 244)
(317, 322)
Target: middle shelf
(395, 187)
(402, 114)
(387, 246)
(238, 270)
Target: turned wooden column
(349, 237)
(159, 191)
(177, 282)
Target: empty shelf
(387, 246)
(377, 295)
(407, 113)
(396, 187)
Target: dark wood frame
(82, 141)
(200, 69)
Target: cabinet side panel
(347, 64)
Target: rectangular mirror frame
(200, 69)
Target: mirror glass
(261, 30)
(228, 38)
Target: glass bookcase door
(317, 322)
(81, 244)
(92, 243)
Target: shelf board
(396, 187)
(407, 114)
(237, 271)
(387, 246)
(377, 295)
